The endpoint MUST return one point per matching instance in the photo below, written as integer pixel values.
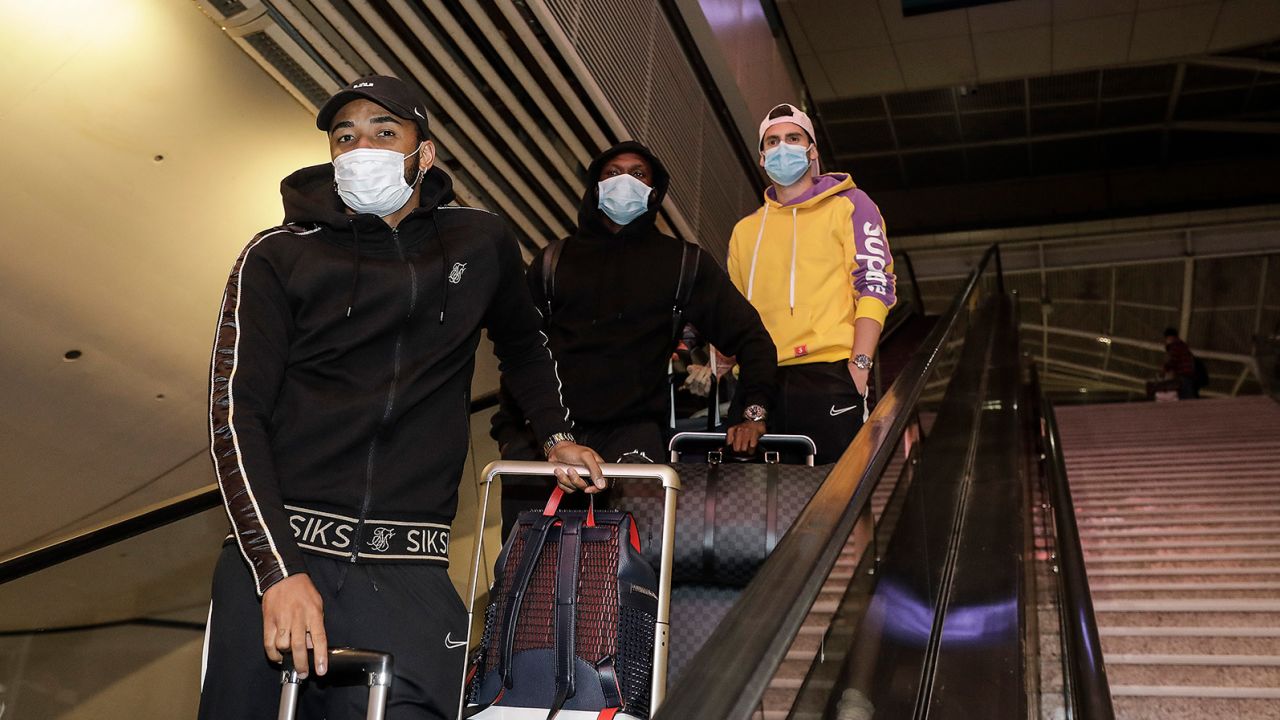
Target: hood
(824, 186)
(309, 197)
(591, 218)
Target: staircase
(1179, 512)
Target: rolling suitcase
(733, 512)
(347, 666)
(517, 641)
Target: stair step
(1194, 593)
(1095, 556)
(1187, 631)
(1193, 659)
(1270, 605)
(1141, 544)
(1253, 571)
(1234, 519)
(1182, 587)
(1225, 619)
(1189, 645)
(1135, 704)
(1242, 676)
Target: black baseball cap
(401, 98)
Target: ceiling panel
(941, 61)
(1172, 32)
(1009, 15)
(1014, 53)
(1094, 42)
(1068, 10)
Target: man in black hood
(607, 294)
(339, 416)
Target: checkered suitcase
(732, 513)
(346, 666)
(526, 635)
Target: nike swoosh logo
(841, 411)
(419, 114)
(450, 643)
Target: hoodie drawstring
(444, 268)
(755, 255)
(751, 276)
(355, 267)
(793, 261)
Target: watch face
(754, 413)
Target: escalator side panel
(979, 670)
(894, 635)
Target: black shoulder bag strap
(533, 543)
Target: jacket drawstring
(355, 267)
(755, 255)
(444, 268)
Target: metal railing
(1086, 684)
(72, 545)
(728, 677)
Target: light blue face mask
(623, 198)
(785, 163)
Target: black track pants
(819, 400)
(409, 610)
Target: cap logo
(418, 112)
(360, 85)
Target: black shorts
(819, 400)
(409, 610)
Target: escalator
(936, 614)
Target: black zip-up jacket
(341, 374)
(611, 312)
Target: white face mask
(370, 180)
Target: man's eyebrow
(343, 124)
(386, 119)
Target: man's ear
(427, 158)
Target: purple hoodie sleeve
(873, 277)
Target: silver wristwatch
(754, 413)
(554, 440)
(861, 361)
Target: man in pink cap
(814, 261)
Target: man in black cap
(339, 416)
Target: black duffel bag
(733, 510)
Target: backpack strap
(690, 258)
(534, 541)
(550, 261)
(566, 610)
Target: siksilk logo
(360, 85)
(455, 276)
(875, 259)
(381, 539)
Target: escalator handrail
(1090, 690)
(729, 675)
(43, 555)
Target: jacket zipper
(391, 395)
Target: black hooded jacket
(341, 374)
(611, 310)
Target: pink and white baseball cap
(786, 112)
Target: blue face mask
(623, 198)
(785, 164)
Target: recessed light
(71, 355)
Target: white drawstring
(751, 277)
(793, 261)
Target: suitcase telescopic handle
(670, 481)
(347, 666)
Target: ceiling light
(1104, 340)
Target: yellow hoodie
(814, 265)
